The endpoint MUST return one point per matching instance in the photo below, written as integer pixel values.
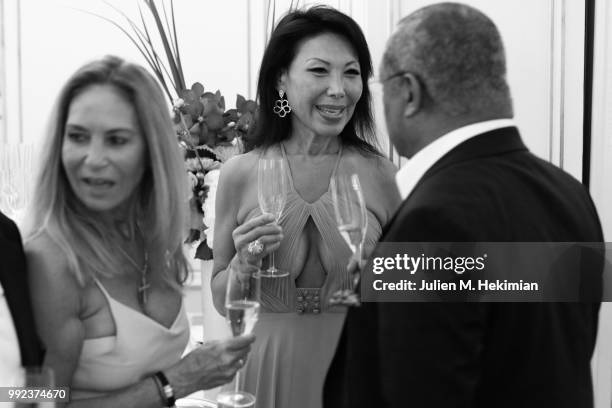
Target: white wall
(601, 169)
(222, 43)
(58, 37)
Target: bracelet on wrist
(166, 392)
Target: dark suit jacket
(13, 276)
(417, 355)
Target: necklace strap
(142, 294)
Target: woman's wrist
(164, 389)
(239, 269)
(180, 387)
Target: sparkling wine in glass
(272, 195)
(242, 316)
(241, 313)
(350, 211)
(351, 219)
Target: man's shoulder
(506, 199)
(8, 228)
(499, 173)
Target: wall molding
(10, 20)
(601, 131)
(600, 187)
(3, 135)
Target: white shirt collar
(414, 169)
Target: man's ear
(413, 94)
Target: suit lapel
(496, 142)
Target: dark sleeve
(13, 274)
(431, 353)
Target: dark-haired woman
(315, 115)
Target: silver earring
(281, 105)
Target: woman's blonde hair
(159, 208)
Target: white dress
(140, 347)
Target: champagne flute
(241, 313)
(351, 219)
(350, 211)
(272, 194)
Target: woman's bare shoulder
(48, 262)
(44, 247)
(243, 160)
(377, 176)
(377, 167)
(234, 170)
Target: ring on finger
(255, 247)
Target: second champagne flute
(272, 194)
(351, 219)
(241, 313)
(350, 211)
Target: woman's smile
(331, 111)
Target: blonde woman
(104, 248)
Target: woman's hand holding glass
(260, 231)
(212, 364)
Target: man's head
(443, 68)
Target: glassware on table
(272, 195)
(191, 402)
(16, 172)
(352, 221)
(241, 313)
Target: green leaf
(214, 120)
(195, 109)
(177, 73)
(188, 121)
(203, 134)
(240, 101)
(230, 116)
(230, 135)
(250, 106)
(187, 95)
(245, 121)
(204, 252)
(197, 88)
(194, 235)
(176, 119)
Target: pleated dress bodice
(281, 295)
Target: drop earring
(281, 105)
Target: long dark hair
(294, 28)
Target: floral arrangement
(208, 133)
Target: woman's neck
(311, 145)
